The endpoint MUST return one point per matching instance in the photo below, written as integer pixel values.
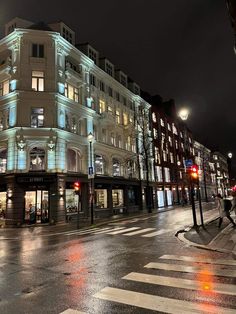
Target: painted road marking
(160, 304)
(138, 232)
(153, 234)
(123, 230)
(107, 229)
(197, 260)
(192, 269)
(183, 283)
(71, 311)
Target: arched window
(3, 160)
(37, 159)
(99, 164)
(73, 160)
(116, 168)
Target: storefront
(160, 197)
(3, 203)
(169, 197)
(36, 206)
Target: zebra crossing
(126, 231)
(206, 274)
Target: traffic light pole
(195, 225)
(200, 204)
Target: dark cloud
(181, 49)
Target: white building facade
(52, 96)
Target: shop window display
(3, 200)
(117, 198)
(101, 198)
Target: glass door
(36, 206)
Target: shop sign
(35, 179)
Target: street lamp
(91, 173)
(229, 160)
(183, 114)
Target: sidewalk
(212, 237)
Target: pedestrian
(234, 203)
(224, 207)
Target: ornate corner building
(53, 95)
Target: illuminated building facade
(52, 96)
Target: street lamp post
(229, 160)
(183, 114)
(91, 175)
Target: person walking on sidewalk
(224, 207)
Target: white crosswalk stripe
(202, 283)
(156, 303)
(71, 311)
(123, 231)
(156, 233)
(192, 269)
(138, 232)
(182, 283)
(197, 260)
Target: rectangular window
(71, 92)
(101, 85)
(37, 117)
(117, 96)
(171, 158)
(162, 122)
(109, 109)
(113, 140)
(92, 80)
(125, 118)
(102, 106)
(117, 117)
(167, 174)
(159, 174)
(155, 133)
(38, 81)
(110, 91)
(4, 88)
(37, 51)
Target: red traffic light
(77, 186)
(194, 171)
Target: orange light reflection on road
(205, 279)
(76, 261)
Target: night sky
(181, 49)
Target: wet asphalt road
(50, 274)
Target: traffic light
(77, 187)
(194, 171)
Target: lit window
(125, 118)
(171, 158)
(169, 128)
(71, 92)
(170, 141)
(37, 117)
(117, 117)
(109, 109)
(99, 164)
(38, 81)
(162, 122)
(154, 119)
(102, 106)
(113, 139)
(37, 159)
(116, 168)
(155, 133)
(4, 88)
(167, 174)
(128, 144)
(3, 160)
(159, 173)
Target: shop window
(116, 168)
(99, 164)
(37, 117)
(101, 198)
(72, 201)
(73, 159)
(3, 199)
(3, 160)
(37, 159)
(117, 198)
(38, 81)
